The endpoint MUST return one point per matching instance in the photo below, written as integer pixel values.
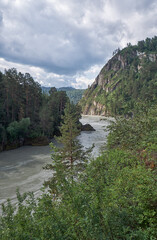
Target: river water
(22, 168)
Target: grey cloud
(65, 37)
(145, 5)
(38, 38)
(130, 6)
(1, 18)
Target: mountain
(47, 89)
(74, 95)
(66, 89)
(127, 80)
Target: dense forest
(25, 112)
(126, 81)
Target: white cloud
(82, 82)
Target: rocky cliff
(129, 77)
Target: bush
(18, 129)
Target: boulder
(87, 127)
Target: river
(22, 168)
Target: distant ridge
(66, 89)
(47, 89)
(74, 95)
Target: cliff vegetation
(129, 79)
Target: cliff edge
(129, 78)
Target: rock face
(111, 69)
(95, 109)
(99, 97)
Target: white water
(22, 167)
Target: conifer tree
(70, 159)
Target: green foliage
(115, 198)
(13, 130)
(130, 77)
(2, 134)
(73, 94)
(46, 120)
(148, 45)
(18, 129)
(23, 126)
(137, 133)
(21, 98)
(132, 89)
(69, 159)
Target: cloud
(63, 40)
(1, 19)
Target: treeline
(150, 44)
(147, 45)
(26, 112)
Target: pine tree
(70, 159)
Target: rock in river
(87, 127)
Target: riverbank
(38, 141)
(22, 167)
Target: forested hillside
(74, 95)
(128, 80)
(26, 112)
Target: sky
(67, 42)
